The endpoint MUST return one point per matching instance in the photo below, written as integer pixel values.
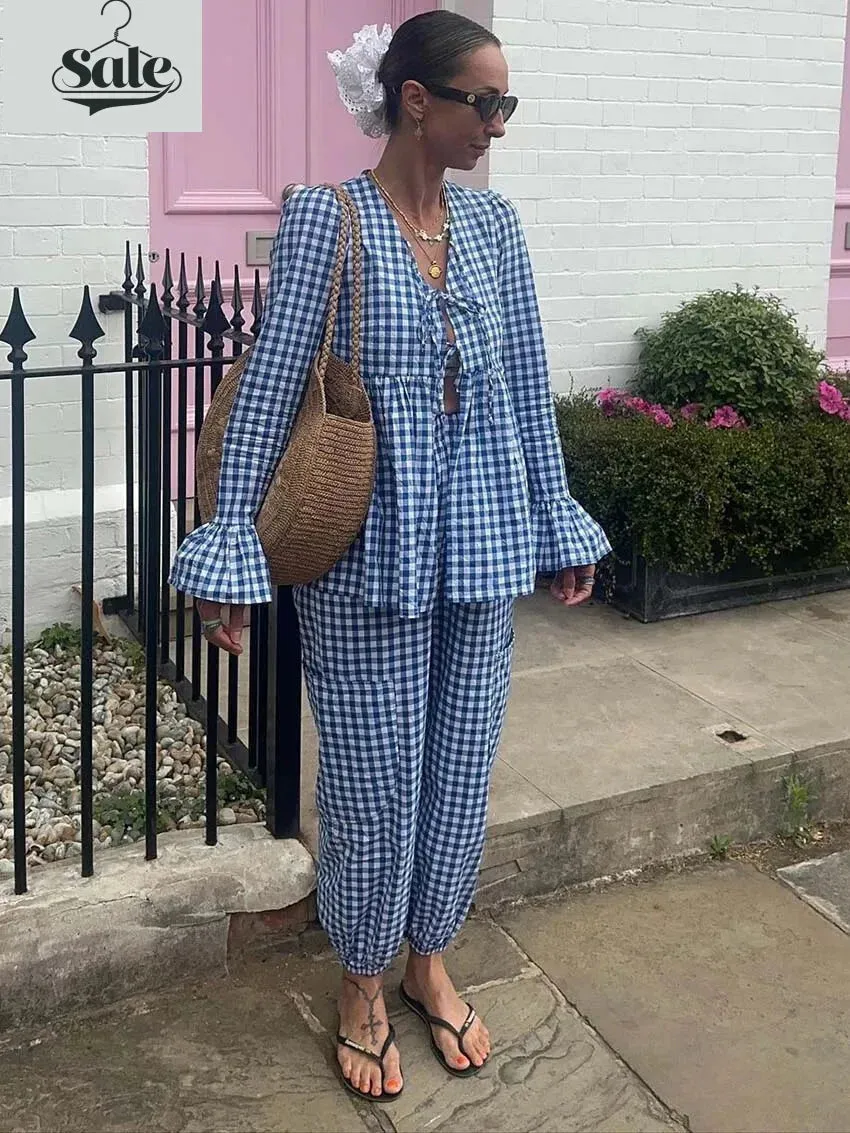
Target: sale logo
(102, 68)
(115, 74)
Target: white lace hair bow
(356, 71)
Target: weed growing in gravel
(125, 814)
(797, 822)
(132, 650)
(67, 637)
(718, 847)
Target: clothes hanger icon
(120, 27)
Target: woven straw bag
(319, 493)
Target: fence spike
(86, 329)
(217, 284)
(167, 281)
(183, 286)
(200, 292)
(127, 285)
(140, 275)
(17, 332)
(215, 321)
(257, 304)
(152, 330)
(238, 321)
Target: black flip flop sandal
(435, 1021)
(384, 1095)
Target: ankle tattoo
(373, 1023)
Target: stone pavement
(712, 999)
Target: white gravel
(52, 753)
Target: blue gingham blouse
(508, 514)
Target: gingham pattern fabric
(510, 514)
(409, 713)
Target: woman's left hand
(573, 585)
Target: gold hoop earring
(418, 131)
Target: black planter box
(650, 593)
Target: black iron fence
(176, 347)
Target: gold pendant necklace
(419, 233)
(434, 269)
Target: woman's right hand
(227, 634)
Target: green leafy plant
(133, 651)
(796, 822)
(66, 636)
(718, 847)
(236, 788)
(699, 500)
(740, 348)
(125, 814)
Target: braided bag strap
(349, 225)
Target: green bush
(699, 500)
(738, 348)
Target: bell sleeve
(223, 560)
(564, 534)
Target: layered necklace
(422, 238)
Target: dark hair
(427, 48)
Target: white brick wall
(664, 148)
(67, 204)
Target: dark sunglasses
(487, 105)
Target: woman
(407, 640)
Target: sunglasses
(487, 105)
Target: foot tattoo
(372, 1024)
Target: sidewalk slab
(254, 1053)
(785, 676)
(825, 884)
(549, 1071)
(603, 729)
(188, 1060)
(717, 986)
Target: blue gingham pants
(409, 713)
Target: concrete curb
(657, 824)
(73, 943)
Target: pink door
(271, 116)
(838, 310)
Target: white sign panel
(110, 69)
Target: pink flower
(844, 411)
(610, 400)
(610, 394)
(637, 404)
(613, 401)
(727, 418)
(830, 399)
(691, 411)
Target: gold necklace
(434, 269)
(420, 233)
